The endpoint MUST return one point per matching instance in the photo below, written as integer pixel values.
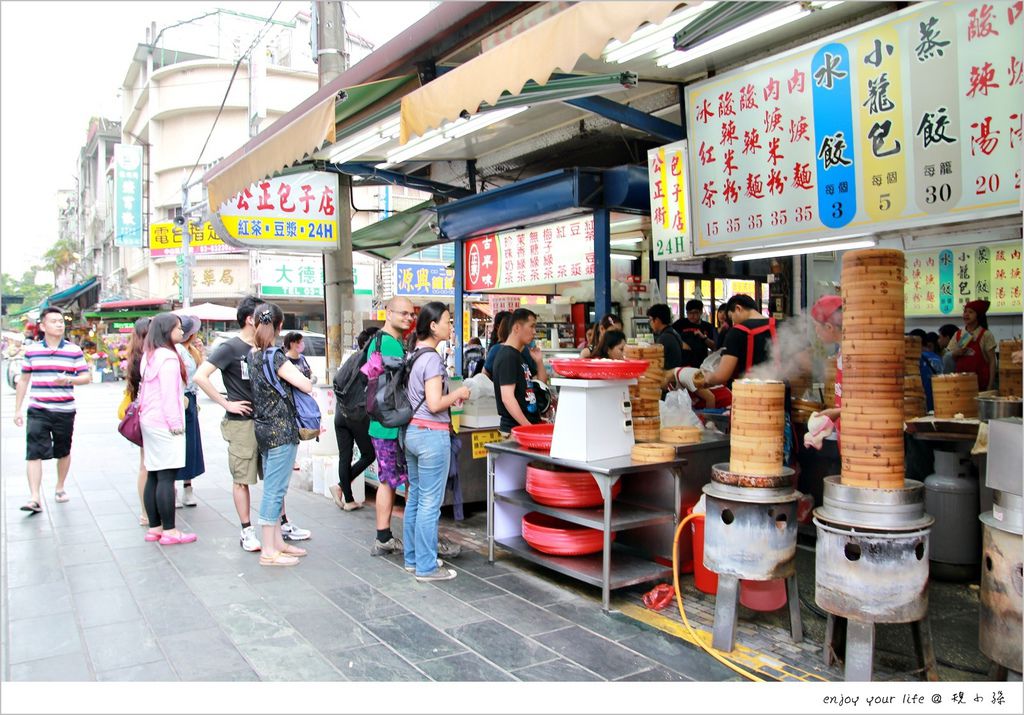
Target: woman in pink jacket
(162, 418)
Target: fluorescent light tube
(650, 37)
(624, 256)
(450, 130)
(799, 251)
(626, 241)
(744, 32)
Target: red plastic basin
(560, 538)
(534, 436)
(586, 369)
(565, 488)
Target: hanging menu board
(910, 120)
(941, 281)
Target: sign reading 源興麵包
(670, 225)
(912, 119)
(426, 280)
(166, 237)
(941, 281)
(291, 276)
(560, 252)
(297, 211)
(127, 207)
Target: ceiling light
(447, 132)
(758, 26)
(801, 250)
(651, 37)
(364, 141)
(626, 241)
(624, 256)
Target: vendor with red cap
(827, 313)
(974, 346)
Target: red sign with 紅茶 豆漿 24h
(913, 119)
(559, 252)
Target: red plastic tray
(534, 436)
(560, 538)
(586, 369)
(564, 488)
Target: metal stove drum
(871, 566)
(759, 514)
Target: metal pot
(990, 408)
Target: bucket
(684, 556)
(763, 595)
(704, 579)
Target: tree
(62, 256)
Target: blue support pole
(458, 308)
(602, 263)
(609, 109)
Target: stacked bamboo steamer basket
(914, 403)
(874, 354)
(645, 396)
(955, 394)
(1009, 374)
(756, 431)
(830, 382)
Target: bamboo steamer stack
(1009, 374)
(645, 396)
(914, 403)
(756, 432)
(830, 382)
(955, 394)
(912, 359)
(874, 354)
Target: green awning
(121, 314)
(363, 95)
(385, 239)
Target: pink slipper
(153, 535)
(166, 540)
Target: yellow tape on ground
(741, 655)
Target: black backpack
(387, 400)
(350, 388)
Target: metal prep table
(644, 517)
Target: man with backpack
(660, 316)
(351, 423)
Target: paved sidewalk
(84, 598)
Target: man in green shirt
(391, 469)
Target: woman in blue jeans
(428, 445)
(276, 431)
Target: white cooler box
(480, 413)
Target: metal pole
(458, 308)
(339, 288)
(602, 263)
(186, 263)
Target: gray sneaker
(446, 549)
(439, 575)
(412, 569)
(391, 546)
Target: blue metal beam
(458, 308)
(609, 109)
(398, 179)
(602, 263)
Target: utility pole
(186, 266)
(339, 288)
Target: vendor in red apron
(747, 343)
(694, 381)
(974, 346)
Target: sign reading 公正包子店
(559, 252)
(912, 119)
(670, 224)
(297, 211)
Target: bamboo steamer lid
(864, 256)
(647, 421)
(653, 453)
(758, 387)
(647, 435)
(681, 435)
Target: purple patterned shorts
(391, 469)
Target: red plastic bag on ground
(659, 596)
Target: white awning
(555, 44)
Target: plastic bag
(659, 596)
(479, 386)
(710, 363)
(677, 410)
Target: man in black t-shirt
(750, 330)
(660, 316)
(237, 427)
(513, 393)
(699, 335)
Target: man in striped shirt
(51, 367)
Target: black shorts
(48, 434)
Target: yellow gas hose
(679, 602)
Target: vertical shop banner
(127, 207)
(910, 120)
(941, 281)
(553, 253)
(424, 280)
(670, 224)
(291, 276)
(363, 276)
(298, 211)
(165, 238)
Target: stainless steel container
(750, 533)
(1000, 622)
(994, 408)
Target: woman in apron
(974, 346)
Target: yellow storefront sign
(481, 440)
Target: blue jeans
(428, 453)
(277, 472)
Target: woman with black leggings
(349, 432)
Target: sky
(62, 63)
